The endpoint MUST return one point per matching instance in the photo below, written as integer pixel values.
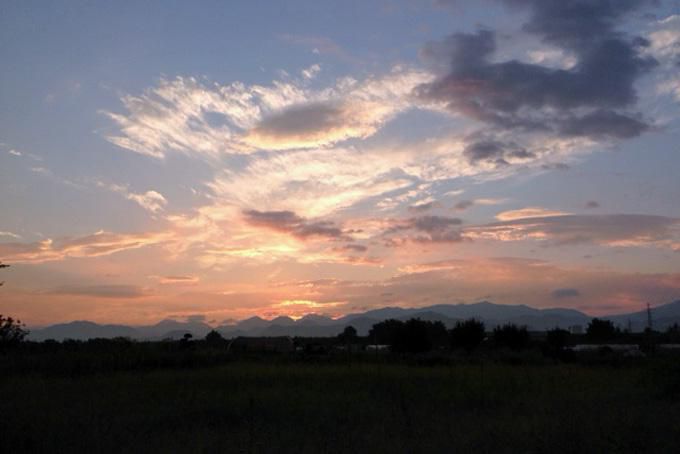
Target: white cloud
(665, 39)
(311, 72)
(671, 87)
(187, 116)
(152, 201)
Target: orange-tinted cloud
(608, 230)
(95, 245)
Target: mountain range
(315, 325)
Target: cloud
(11, 235)
(590, 99)
(186, 116)
(289, 222)
(567, 229)
(15, 152)
(664, 41)
(592, 204)
(670, 86)
(565, 293)
(98, 244)
(152, 201)
(422, 207)
(353, 247)
(602, 123)
(496, 152)
(502, 280)
(317, 183)
(317, 125)
(311, 72)
(529, 212)
(178, 280)
(428, 229)
(102, 291)
(465, 204)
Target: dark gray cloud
(603, 123)
(592, 204)
(556, 166)
(302, 120)
(464, 205)
(590, 99)
(565, 293)
(289, 222)
(495, 151)
(432, 224)
(429, 229)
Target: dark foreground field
(380, 407)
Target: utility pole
(649, 317)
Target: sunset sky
(227, 159)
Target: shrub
(467, 334)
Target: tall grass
(352, 407)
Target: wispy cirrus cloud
(95, 245)
(625, 230)
(188, 116)
(151, 200)
(16, 236)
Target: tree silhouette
(557, 339)
(385, 332)
(348, 335)
(214, 338)
(412, 336)
(511, 336)
(467, 334)
(601, 330)
(11, 331)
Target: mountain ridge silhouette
(317, 325)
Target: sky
(222, 160)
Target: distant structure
(649, 317)
(576, 329)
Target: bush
(511, 336)
(601, 330)
(468, 334)
(412, 336)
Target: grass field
(376, 407)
